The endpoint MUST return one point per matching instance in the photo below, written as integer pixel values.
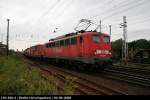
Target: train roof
(74, 35)
(70, 35)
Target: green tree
(140, 44)
(117, 44)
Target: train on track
(82, 48)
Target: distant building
(3, 49)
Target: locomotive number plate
(102, 52)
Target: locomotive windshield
(96, 38)
(106, 39)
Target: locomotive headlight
(106, 52)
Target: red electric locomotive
(89, 47)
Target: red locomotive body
(87, 47)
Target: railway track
(133, 65)
(136, 76)
(139, 64)
(141, 71)
(82, 80)
(62, 80)
(85, 86)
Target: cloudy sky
(33, 21)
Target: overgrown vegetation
(138, 44)
(133, 46)
(16, 78)
(69, 86)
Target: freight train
(89, 48)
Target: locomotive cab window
(96, 38)
(106, 39)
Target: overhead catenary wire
(127, 9)
(119, 5)
(115, 12)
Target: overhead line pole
(125, 37)
(7, 36)
(110, 29)
(124, 41)
(100, 26)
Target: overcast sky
(33, 21)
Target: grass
(17, 78)
(69, 86)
